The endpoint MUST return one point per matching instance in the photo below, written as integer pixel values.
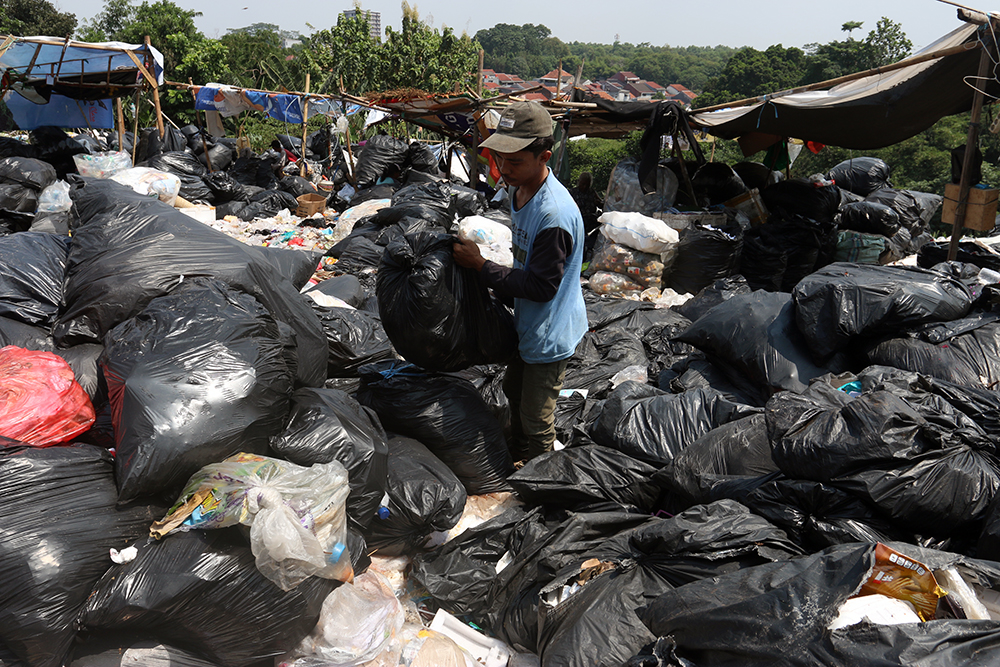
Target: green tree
(35, 17)
(850, 27)
(751, 72)
(419, 56)
(345, 52)
(886, 44)
(109, 22)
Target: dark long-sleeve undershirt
(540, 281)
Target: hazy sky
(660, 22)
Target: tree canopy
(35, 17)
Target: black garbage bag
(424, 496)
(915, 209)
(757, 175)
(201, 590)
(971, 359)
(150, 143)
(122, 650)
(296, 266)
(754, 337)
(806, 245)
(844, 301)
(55, 146)
(799, 198)
(969, 252)
(465, 202)
(328, 425)
(53, 222)
(322, 143)
(869, 218)
(359, 255)
(290, 143)
(861, 175)
(57, 509)
(816, 515)
(382, 156)
(654, 426)
(716, 183)
(738, 448)
(600, 356)
(354, 338)
(11, 147)
(421, 157)
(762, 265)
(256, 170)
(891, 453)
(81, 358)
(604, 310)
(712, 295)
(220, 155)
(188, 169)
(594, 623)
(32, 269)
(130, 249)
(225, 188)
(444, 413)
(431, 202)
(732, 619)
(15, 198)
(704, 255)
(297, 186)
(346, 287)
(267, 203)
(488, 381)
(438, 315)
(30, 173)
(197, 376)
(694, 371)
(384, 191)
(579, 476)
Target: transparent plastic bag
(625, 194)
(297, 517)
(359, 623)
(641, 267)
(639, 232)
(102, 165)
(150, 182)
(55, 198)
(604, 282)
(493, 238)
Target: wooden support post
(120, 122)
(474, 161)
(351, 177)
(479, 78)
(201, 130)
(305, 129)
(985, 61)
(156, 100)
(135, 129)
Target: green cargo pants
(531, 390)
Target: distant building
(679, 93)
(509, 82)
(640, 90)
(374, 20)
(624, 78)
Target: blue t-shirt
(550, 331)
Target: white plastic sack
(297, 516)
(358, 622)
(55, 198)
(102, 165)
(493, 238)
(150, 182)
(639, 232)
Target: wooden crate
(980, 211)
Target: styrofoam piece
(952, 581)
(488, 651)
(990, 599)
(878, 609)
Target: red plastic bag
(41, 403)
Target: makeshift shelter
(65, 83)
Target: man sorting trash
(548, 239)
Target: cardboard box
(310, 204)
(980, 211)
(750, 204)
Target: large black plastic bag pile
(201, 590)
(753, 337)
(578, 477)
(328, 425)
(716, 183)
(131, 249)
(598, 625)
(32, 268)
(431, 202)
(199, 375)
(382, 156)
(53, 145)
(599, 356)
(861, 175)
(57, 509)
(964, 355)
(744, 618)
(424, 496)
(704, 255)
(354, 338)
(187, 168)
(22, 179)
(654, 426)
(81, 358)
(438, 315)
(921, 462)
(444, 413)
(915, 210)
(869, 218)
(843, 301)
(969, 252)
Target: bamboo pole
(970, 148)
(839, 80)
(120, 118)
(156, 100)
(351, 177)
(305, 129)
(135, 130)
